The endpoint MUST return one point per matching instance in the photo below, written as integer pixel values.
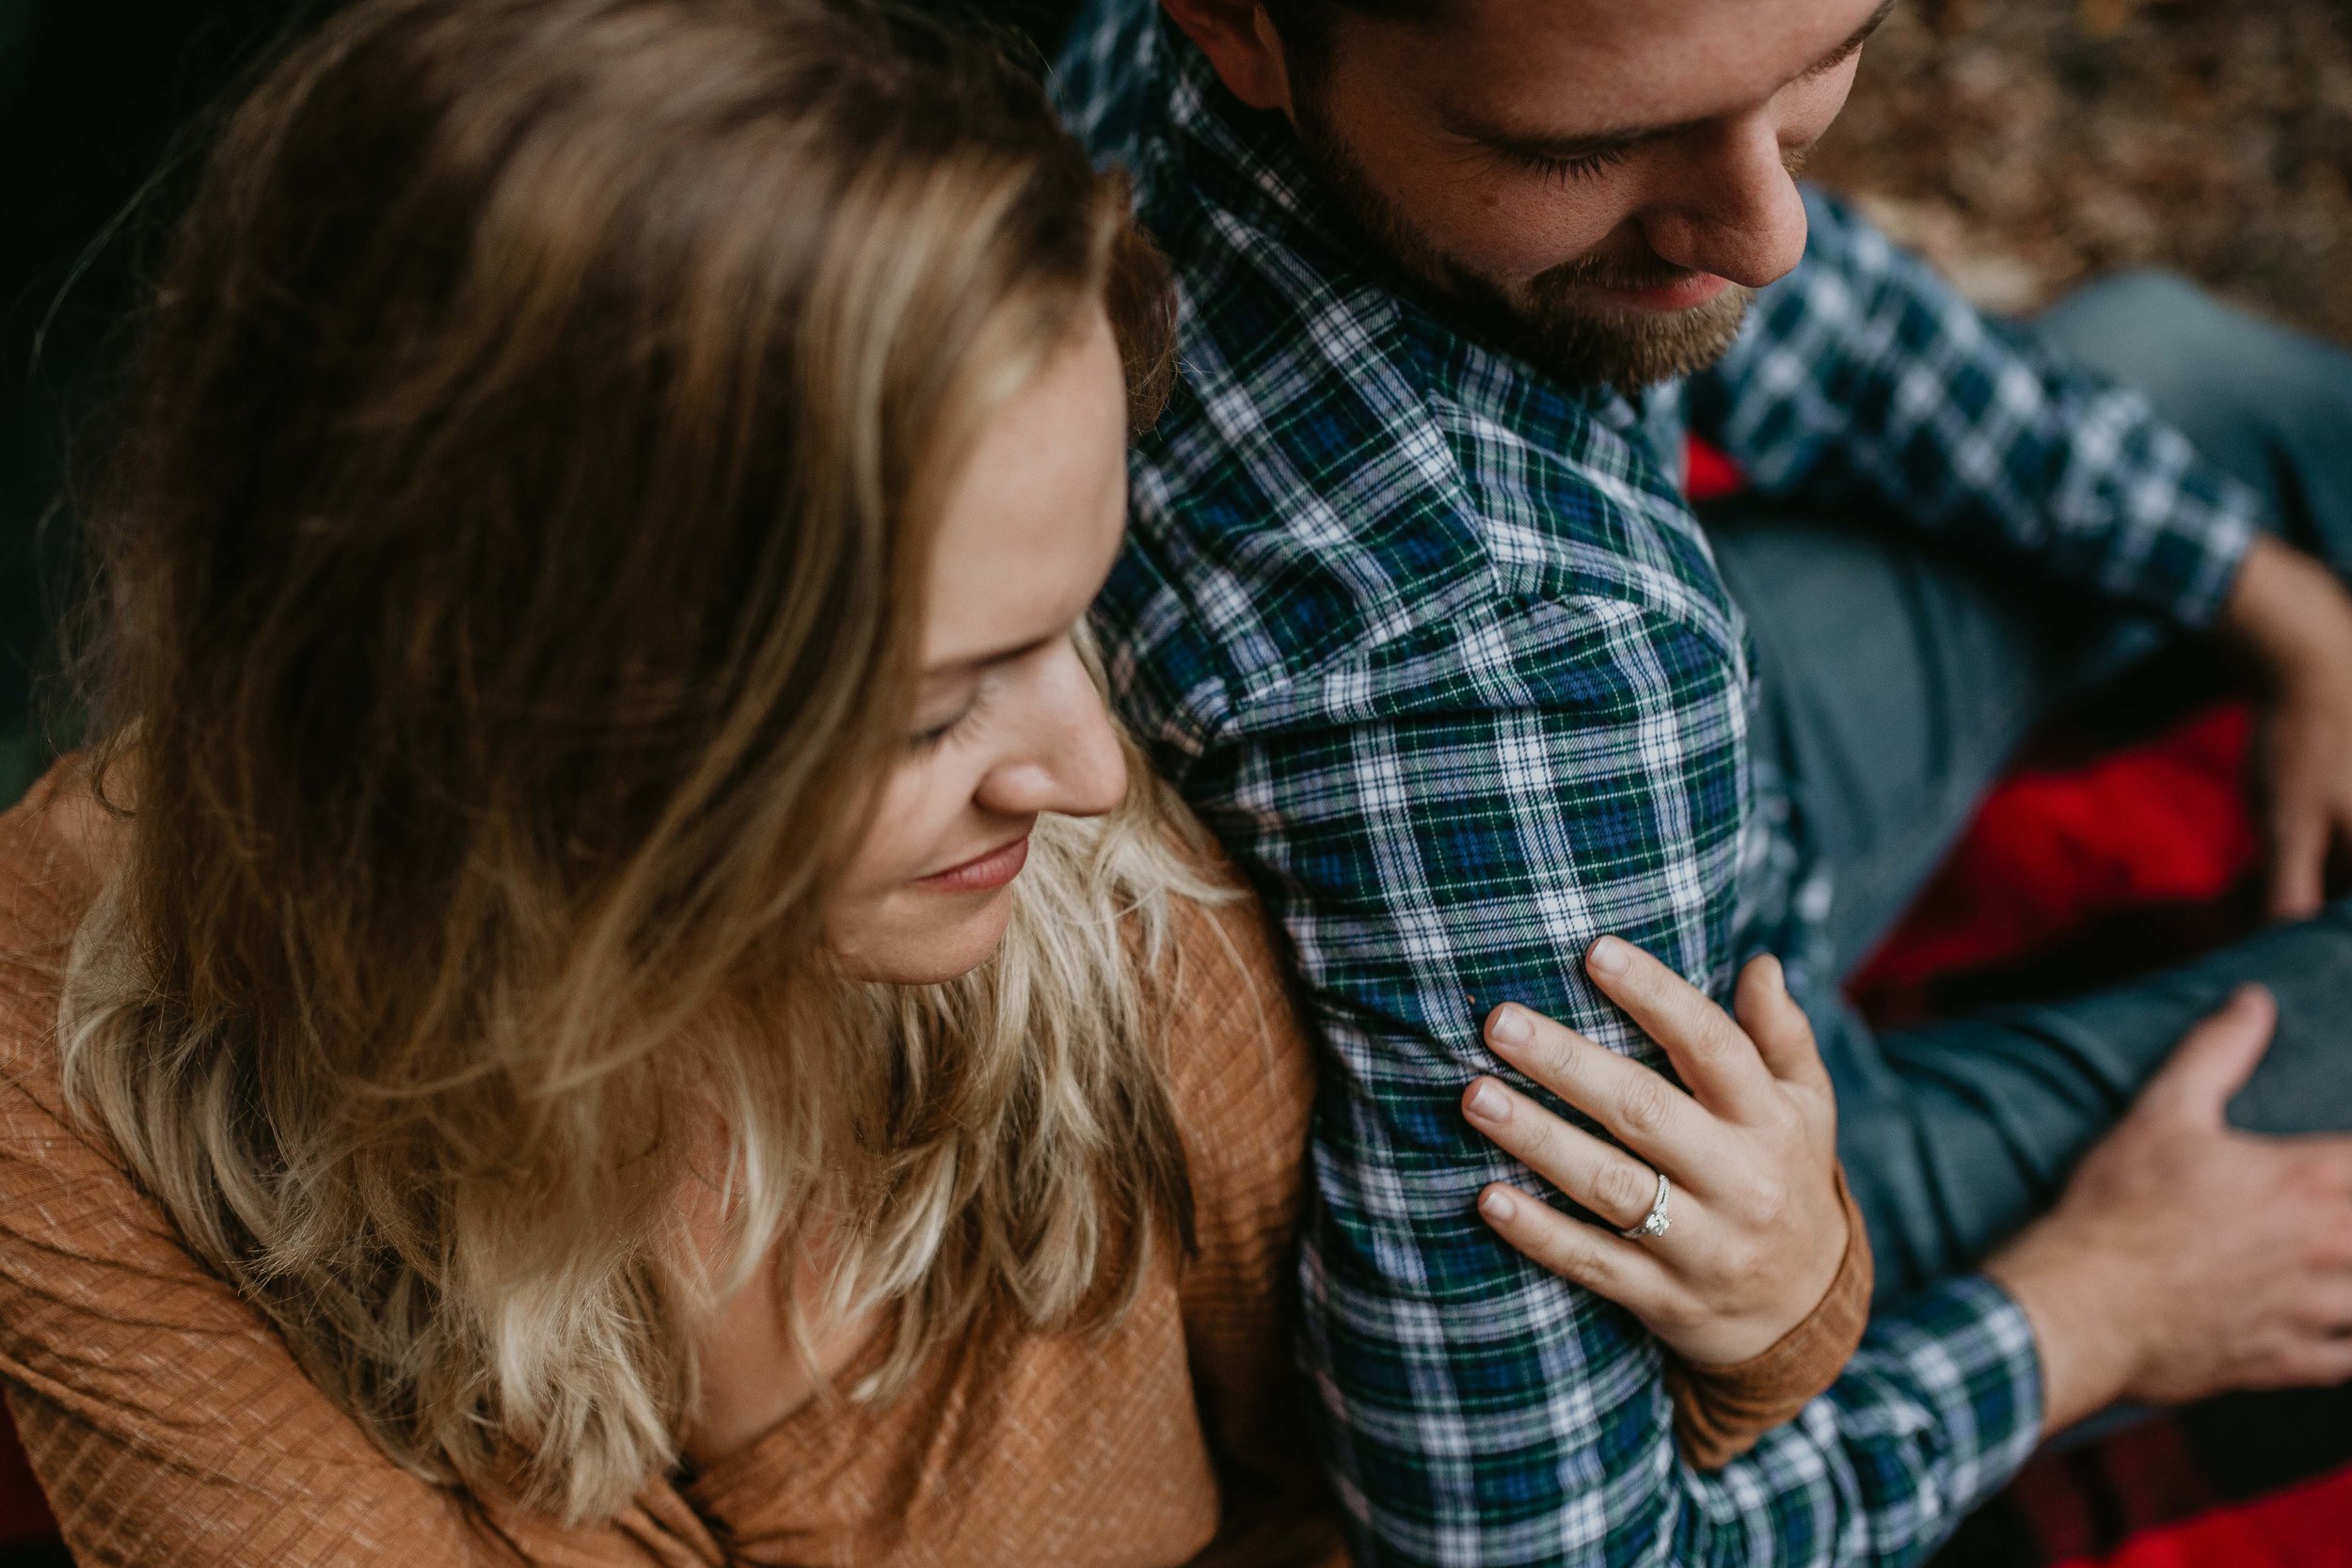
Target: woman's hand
(1756, 1228)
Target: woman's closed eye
(931, 736)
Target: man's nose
(1070, 760)
(1733, 210)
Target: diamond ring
(1657, 1224)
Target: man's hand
(2186, 1258)
(2295, 617)
(1756, 1230)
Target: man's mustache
(1595, 272)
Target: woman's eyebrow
(974, 664)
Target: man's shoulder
(1307, 539)
(1336, 471)
(1288, 518)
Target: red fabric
(1712, 475)
(2304, 1526)
(2052, 853)
(2084, 1500)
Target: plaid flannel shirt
(1437, 648)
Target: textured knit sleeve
(167, 1423)
(1244, 1087)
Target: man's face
(1601, 182)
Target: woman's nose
(1069, 759)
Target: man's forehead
(1584, 67)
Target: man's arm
(1863, 379)
(1546, 772)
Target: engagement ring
(1657, 1223)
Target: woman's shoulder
(51, 843)
(1233, 1010)
(64, 1192)
(49, 846)
(166, 1420)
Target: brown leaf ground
(2025, 144)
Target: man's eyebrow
(1521, 144)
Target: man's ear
(1239, 39)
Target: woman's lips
(983, 873)
(1683, 294)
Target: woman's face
(1007, 723)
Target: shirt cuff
(2195, 552)
(1967, 1349)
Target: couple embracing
(609, 990)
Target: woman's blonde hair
(511, 575)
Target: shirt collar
(1255, 148)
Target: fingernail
(1609, 956)
(1497, 1205)
(1488, 1103)
(1510, 1026)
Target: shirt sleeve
(1448, 827)
(1864, 378)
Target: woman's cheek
(907, 827)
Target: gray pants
(1898, 678)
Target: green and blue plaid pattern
(1437, 648)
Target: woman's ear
(1240, 40)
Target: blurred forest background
(2022, 144)
(2027, 144)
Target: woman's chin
(925, 947)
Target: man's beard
(1556, 326)
(1592, 345)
